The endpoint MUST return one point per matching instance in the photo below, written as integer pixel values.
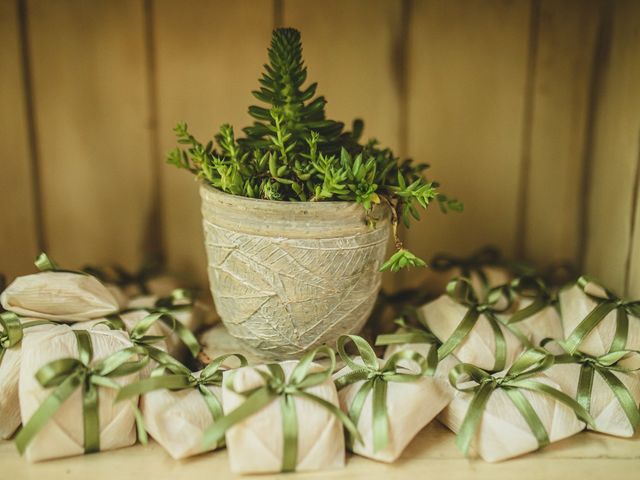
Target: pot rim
(329, 204)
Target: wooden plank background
(527, 110)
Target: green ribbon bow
(276, 386)
(173, 375)
(468, 265)
(139, 334)
(604, 365)
(70, 374)
(517, 378)
(498, 300)
(535, 289)
(606, 304)
(161, 312)
(409, 334)
(375, 379)
(12, 330)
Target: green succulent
(292, 152)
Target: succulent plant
(293, 152)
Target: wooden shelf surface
(432, 454)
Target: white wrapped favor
(498, 430)
(587, 300)
(604, 406)
(479, 344)
(60, 296)
(10, 360)
(484, 269)
(412, 399)
(62, 435)
(261, 403)
(178, 405)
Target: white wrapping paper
(9, 376)
(410, 407)
(605, 409)
(63, 435)
(575, 306)
(544, 324)
(178, 419)
(443, 315)
(60, 296)
(255, 444)
(503, 433)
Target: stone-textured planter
(289, 276)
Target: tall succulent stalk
(293, 152)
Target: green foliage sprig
(293, 152)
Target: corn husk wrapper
(544, 324)
(443, 315)
(575, 305)
(60, 296)
(255, 444)
(121, 298)
(503, 432)
(608, 415)
(178, 419)
(410, 407)
(63, 435)
(9, 379)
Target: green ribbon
(161, 312)
(45, 263)
(407, 334)
(516, 379)
(173, 375)
(70, 374)
(475, 263)
(12, 330)
(461, 291)
(605, 305)
(604, 365)
(375, 379)
(535, 289)
(276, 386)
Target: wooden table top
(432, 454)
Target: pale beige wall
(528, 110)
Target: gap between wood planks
(32, 130)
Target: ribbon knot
(67, 375)
(607, 302)
(482, 384)
(497, 300)
(375, 378)
(533, 288)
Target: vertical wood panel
(18, 240)
(92, 121)
(353, 49)
(565, 51)
(615, 154)
(209, 58)
(467, 76)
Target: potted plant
(297, 213)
